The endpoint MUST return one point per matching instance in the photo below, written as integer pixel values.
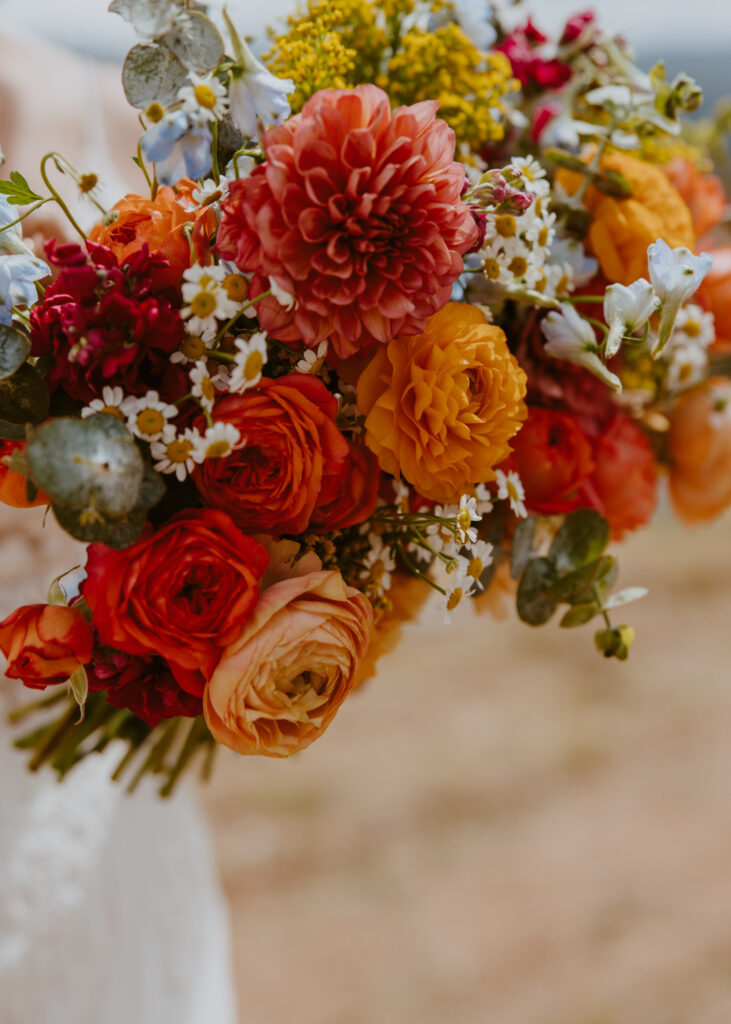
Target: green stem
(45, 702)
(26, 214)
(225, 357)
(154, 760)
(63, 726)
(214, 152)
(57, 159)
(141, 165)
(413, 567)
(196, 735)
(594, 165)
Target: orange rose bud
(441, 407)
(45, 644)
(622, 229)
(703, 194)
(13, 485)
(278, 686)
(700, 455)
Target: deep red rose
(108, 323)
(576, 26)
(356, 492)
(293, 460)
(553, 458)
(356, 212)
(623, 486)
(145, 686)
(532, 69)
(183, 592)
(45, 644)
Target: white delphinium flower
(176, 453)
(465, 516)
(378, 564)
(510, 488)
(458, 586)
(147, 418)
(312, 359)
(675, 274)
(249, 361)
(479, 558)
(110, 402)
(206, 300)
(256, 96)
(568, 336)
(626, 309)
(205, 97)
(218, 442)
(720, 396)
(204, 384)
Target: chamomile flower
(205, 96)
(147, 418)
(511, 489)
(484, 499)
(190, 350)
(177, 453)
(467, 514)
(459, 586)
(110, 402)
(204, 384)
(218, 442)
(479, 558)
(207, 300)
(720, 395)
(210, 192)
(251, 355)
(402, 496)
(378, 565)
(312, 359)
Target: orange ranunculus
(45, 644)
(441, 407)
(622, 229)
(703, 194)
(714, 295)
(700, 454)
(623, 486)
(13, 485)
(278, 686)
(158, 223)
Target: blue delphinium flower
(179, 145)
(17, 274)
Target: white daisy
(177, 453)
(210, 193)
(720, 395)
(218, 442)
(459, 587)
(110, 402)
(206, 97)
(312, 359)
(510, 488)
(484, 499)
(479, 558)
(190, 350)
(204, 385)
(466, 515)
(378, 564)
(251, 355)
(147, 418)
(207, 300)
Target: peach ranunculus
(703, 194)
(278, 686)
(714, 295)
(441, 407)
(622, 229)
(157, 222)
(45, 644)
(700, 452)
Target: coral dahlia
(356, 212)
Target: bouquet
(395, 310)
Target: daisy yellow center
(543, 236)
(155, 112)
(685, 371)
(253, 365)
(193, 348)
(562, 285)
(518, 266)
(454, 598)
(218, 449)
(88, 182)
(538, 207)
(114, 411)
(512, 491)
(464, 520)
(692, 329)
(207, 389)
(150, 421)
(236, 287)
(540, 283)
(492, 269)
(377, 571)
(179, 451)
(506, 225)
(205, 96)
(474, 569)
(203, 304)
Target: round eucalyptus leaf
(196, 42)
(579, 614)
(152, 489)
(14, 350)
(12, 431)
(91, 464)
(580, 540)
(532, 604)
(151, 74)
(87, 526)
(24, 396)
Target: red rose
(623, 486)
(292, 462)
(183, 592)
(45, 644)
(145, 686)
(356, 495)
(553, 458)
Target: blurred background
(501, 828)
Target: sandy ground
(502, 828)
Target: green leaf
(152, 489)
(90, 465)
(575, 582)
(14, 350)
(532, 604)
(12, 431)
(24, 397)
(151, 74)
(603, 580)
(17, 191)
(581, 539)
(196, 42)
(79, 684)
(579, 614)
(522, 549)
(89, 526)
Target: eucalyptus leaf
(605, 576)
(14, 350)
(532, 604)
(522, 550)
(574, 582)
(91, 465)
(24, 397)
(87, 526)
(195, 41)
(152, 74)
(579, 614)
(625, 597)
(12, 431)
(152, 489)
(580, 540)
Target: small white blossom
(218, 442)
(720, 396)
(207, 300)
(484, 499)
(626, 309)
(147, 418)
(466, 515)
(205, 97)
(283, 297)
(510, 488)
(459, 586)
(617, 96)
(570, 337)
(250, 358)
(675, 274)
(257, 97)
(110, 402)
(378, 564)
(312, 359)
(177, 453)
(479, 558)
(204, 386)
(190, 350)
(210, 193)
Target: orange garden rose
(12, 484)
(441, 407)
(703, 194)
(278, 686)
(45, 644)
(623, 486)
(700, 456)
(714, 295)
(622, 229)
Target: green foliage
(23, 398)
(151, 74)
(14, 350)
(196, 42)
(17, 191)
